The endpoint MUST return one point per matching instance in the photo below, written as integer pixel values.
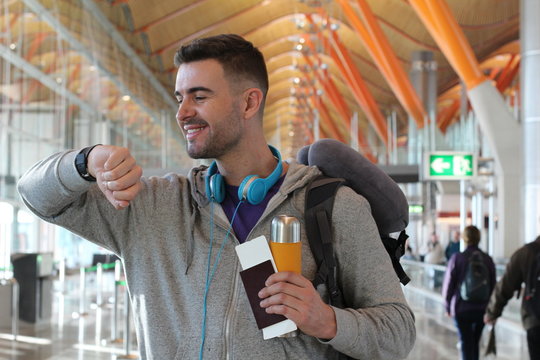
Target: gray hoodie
(163, 239)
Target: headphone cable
(210, 275)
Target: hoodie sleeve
(54, 191)
(378, 323)
(449, 283)
(506, 287)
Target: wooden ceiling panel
(155, 30)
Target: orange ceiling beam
(304, 103)
(386, 60)
(35, 44)
(365, 149)
(335, 97)
(508, 74)
(326, 114)
(363, 96)
(315, 103)
(352, 77)
(443, 27)
(332, 91)
(445, 116)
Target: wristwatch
(81, 163)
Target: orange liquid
(287, 256)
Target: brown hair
(471, 235)
(239, 58)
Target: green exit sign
(450, 166)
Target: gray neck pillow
(389, 205)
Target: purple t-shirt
(248, 214)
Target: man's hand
(294, 297)
(116, 172)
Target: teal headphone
(253, 188)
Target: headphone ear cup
(252, 189)
(257, 191)
(217, 188)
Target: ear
(253, 98)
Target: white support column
(530, 87)
(503, 135)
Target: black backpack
(319, 203)
(531, 300)
(475, 286)
(343, 165)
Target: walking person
(468, 282)
(517, 271)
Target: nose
(185, 111)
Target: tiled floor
(437, 338)
(68, 337)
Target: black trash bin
(34, 273)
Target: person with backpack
(468, 282)
(523, 268)
(176, 235)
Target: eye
(200, 98)
(179, 100)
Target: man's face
(208, 111)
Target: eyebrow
(193, 90)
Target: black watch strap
(81, 163)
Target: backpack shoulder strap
(319, 203)
(396, 248)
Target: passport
(253, 280)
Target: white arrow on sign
(439, 165)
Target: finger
(287, 276)
(284, 288)
(120, 169)
(129, 179)
(275, 302)
(119, 199)
(115, 158)
(118, 204)
(289, 312)
(127, 194)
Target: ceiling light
(12, 46)
(92, 68)
(126, 97)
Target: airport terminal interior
(439, 94)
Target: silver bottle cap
(285, 229)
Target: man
(467, 313)
(515, 274)
(186, 293)
(435, 252)
(452, 247)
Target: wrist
(330, 330)
(81, 164)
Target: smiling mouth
(193, 131)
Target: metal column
(530, 87)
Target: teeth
(191, 131)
